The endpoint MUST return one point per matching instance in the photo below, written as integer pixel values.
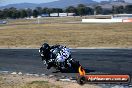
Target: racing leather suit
(61, 53)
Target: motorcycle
(69, 64)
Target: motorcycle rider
(62, 54)
(58, 52)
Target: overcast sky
(5, 2)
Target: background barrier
(102, 20)
(106, 20)
(127, 20)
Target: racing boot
(61, 65)
(69, 64)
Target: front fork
(44, 61)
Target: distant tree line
(80, 10)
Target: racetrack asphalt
(109, 61)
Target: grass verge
(34, 84)
(72, 35)
(23, 81)
(40, 84)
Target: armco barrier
(102, 20)
(127, 20)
